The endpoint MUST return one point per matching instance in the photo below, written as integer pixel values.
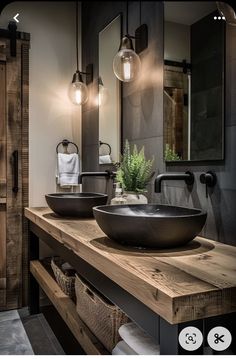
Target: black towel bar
(65, 143)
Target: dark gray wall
(207, 87)
(143, 118)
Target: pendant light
(78, 91)
(126, 63)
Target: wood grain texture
(182, 284)
(2, 50)
(66, 308)
(3, 180)
(14, 201)
(14, 83)
(3, 129)
(25, 163)
(2, 256)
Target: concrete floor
(13, 338)
(21, 334)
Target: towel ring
(65, 143)
(107, 144)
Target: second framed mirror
(109, 95)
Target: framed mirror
(194, 51)
(109, 94)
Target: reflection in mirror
(193, 81)
(109, 100)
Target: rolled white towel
(104, 159)
(122, 348)
(138, 340)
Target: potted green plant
(134, 173)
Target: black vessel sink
(150, 225)
(75, 204)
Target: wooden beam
(66, 308)
(183, 284)
(14, 201)
(3, 180)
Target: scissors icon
(218, 338)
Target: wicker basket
(101, 316)
(65, 282)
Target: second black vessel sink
(75, 204)
(150, 225)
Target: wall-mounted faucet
(209, 179)
(188, 177)
(107, 174)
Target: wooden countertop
(183, 284)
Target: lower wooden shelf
(66, 308)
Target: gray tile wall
(143, 118)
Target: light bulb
(78, 91)
(78, 97)
(127, 68)
(126, 63)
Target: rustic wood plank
(14, 201)
(67, 310)
(2, 130)
(3, 180)
(2, 256)
(14, 84)
(182, 284)
(3, 186)
(2, 50)
(25, 163)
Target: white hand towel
(105, 159)
(68, 169)
(122, 348)
(138, 340)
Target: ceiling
(187, 12)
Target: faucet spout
(107, 174)
(188, 177)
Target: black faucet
(209, 179)
(108, 174)
(188, 177)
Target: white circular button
(190, 338)
(219, 338)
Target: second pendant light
(126, 63)
(78, 91)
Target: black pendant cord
(140, 13)
(127, 17)
(77, 38)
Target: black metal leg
(33, 284)
(169, 338)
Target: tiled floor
(13, 338)
(24, 335)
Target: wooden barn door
(13, 172)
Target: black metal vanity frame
(165, 333)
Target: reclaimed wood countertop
(187, 283)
